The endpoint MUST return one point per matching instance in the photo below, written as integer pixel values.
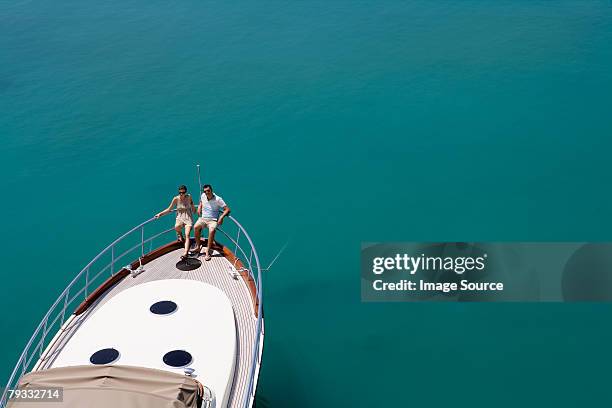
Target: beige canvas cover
(112, 386)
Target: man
(209, 208)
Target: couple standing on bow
(212, 209)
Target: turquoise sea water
(326, 123)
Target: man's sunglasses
(182, 192)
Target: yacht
(140, 327)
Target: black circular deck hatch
(177, 358)
(188, 264)
(104, 356)
(163, 307)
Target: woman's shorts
(183, 221)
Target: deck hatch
(104, 356)
(177, 358)
(163, 307)
(188, 264)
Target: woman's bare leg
(187, 243)
(179, 233)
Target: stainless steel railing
(130, 243)
(258, 346)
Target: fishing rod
(277, 256)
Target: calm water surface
(325, 123)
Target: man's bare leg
(211, 238)
(198, 236)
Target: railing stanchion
(42, 340)
(237, 240)
(86, 281)
(65, 306)
(142, 241)
(112, 260)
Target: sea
(323, 124)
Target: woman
(184, 209)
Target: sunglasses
(182, 192)
(208, 191)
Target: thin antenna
(199, 179)
(276, 257)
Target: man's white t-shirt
(212, 208)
